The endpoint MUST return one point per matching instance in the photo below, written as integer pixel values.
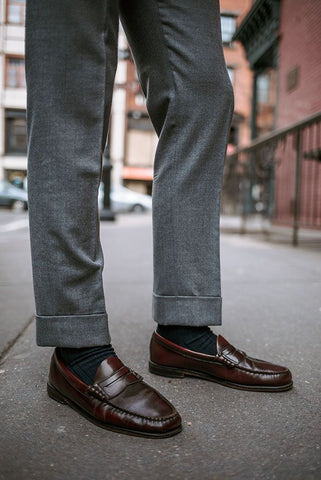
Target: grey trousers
(71, 57)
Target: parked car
(125, 200)
(13, 197)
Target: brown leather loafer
(118, 400)
(230, 367)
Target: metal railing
(278, 177)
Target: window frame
(7, 58)
(231, 16)
(22, 22)
(14, 113)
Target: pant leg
(71, 55)
(178, 51)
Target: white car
(125, 200)
(12, 196)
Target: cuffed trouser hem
(74, 331)
(196, 311)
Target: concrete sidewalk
(272, 309)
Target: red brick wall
(300, 44)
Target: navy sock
(83, 362)
(198, 339)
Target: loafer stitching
(102, 396)
(157, 419)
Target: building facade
(13, 144)
(299, 61)
(282, 43)
(299, 72)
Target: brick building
(13, 144)
(299, 96)
(299, 61)
(283, 45)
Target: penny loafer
(118, 400)
(230, 367)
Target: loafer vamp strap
(115, 384)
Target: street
(271, 309)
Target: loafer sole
(59, 397)
(174, 372)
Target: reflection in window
(16, 11)
(15, 77)
(228, 28)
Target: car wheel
(18, 205)
(137, 208)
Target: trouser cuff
(196, 311)
(74, 331)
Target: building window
(16, 11)
(16, 135)
(263, 88)
(228, 25)
(15, 72)
(266, 100)
(230, 71)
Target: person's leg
(71, 57)
(178, 50)
(179, 56)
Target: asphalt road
(271, 309)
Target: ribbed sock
(84, 362)
(198, 339)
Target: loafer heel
(55, 395)
(165, 371)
